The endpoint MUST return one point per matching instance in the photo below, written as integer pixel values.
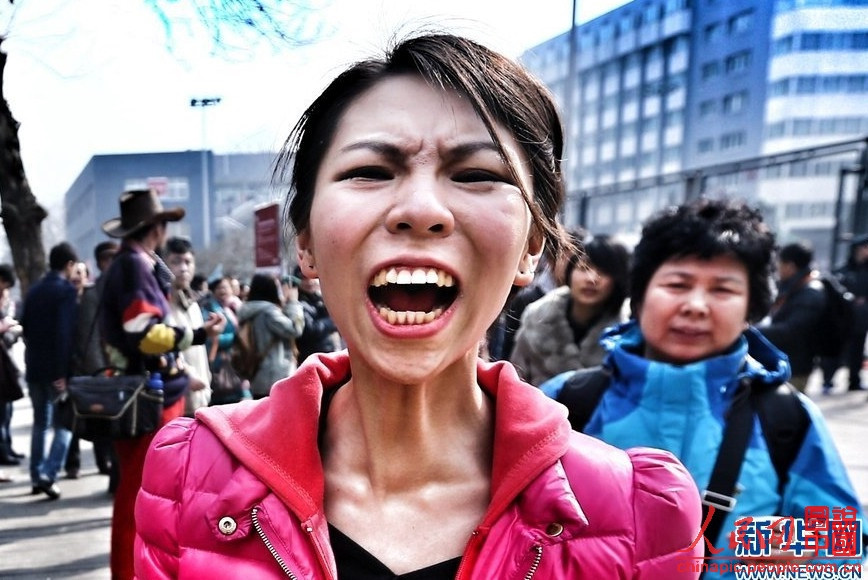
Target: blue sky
(88, 77)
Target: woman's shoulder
(638, 488)
(552, 303)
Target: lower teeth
(408, 317)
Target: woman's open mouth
(407, 296)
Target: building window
(732, 140)
(651, 14)
(802, 126)
(783, 45)
(671, 154)
(779, 88)
(708, 107)
(651, 125)
(734, 102)
(776, 130)
(714, 32)
(738, 62)
(710, 70)
(673, 118)
(177, 189)
(741, 23)
(705, 145)
(626, 24)
(806, 85)
(674, 6)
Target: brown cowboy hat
(140, 208)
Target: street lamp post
(206, 193)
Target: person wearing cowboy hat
(135, 307)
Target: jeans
(43, 395)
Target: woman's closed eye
(480, 175)
(371, 172)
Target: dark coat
(49, 323)
(795, 319)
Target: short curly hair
(708, 228)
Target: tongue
(412, 298)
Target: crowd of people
(408, 420)
(141, 312)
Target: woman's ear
(304, 254)
(529, 261)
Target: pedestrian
(80, 280)
(425, 185)
(854, 276)
(89, 358)
(138, 338)
(221, 347)
(48, 323)
(561, 331)
(276, 322)
(186, 313)
(797, 312)
(320, 333)
(10, 331)
(690, 362)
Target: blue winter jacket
(680, 408)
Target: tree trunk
(22, 215)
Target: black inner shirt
(356, 563)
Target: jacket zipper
(536, 560)
(277, 558)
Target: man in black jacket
(49, 323)
(320, 333)
(855, 278)
(797, 311)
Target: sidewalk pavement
(69, 537)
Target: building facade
(218, 192)
(657, 91)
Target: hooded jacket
(681, 408)
(274, 331)
(240, 488)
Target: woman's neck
(582, 314)
(397, 436)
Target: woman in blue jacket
(700, 275)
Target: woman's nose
(696, 301)
(420, 207)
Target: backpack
(246, 358)
(783, 419)
(834, 328)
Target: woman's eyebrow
(379, 147)
(393, 152)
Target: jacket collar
(276, 437)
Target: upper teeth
(413, 276)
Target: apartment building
(657, 91)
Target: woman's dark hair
(501, 91)
(707, 229)
(7, 274)
(611, 258)
(264, 287)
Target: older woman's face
(694, 309)
(417, 229)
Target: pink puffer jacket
(238, 492)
